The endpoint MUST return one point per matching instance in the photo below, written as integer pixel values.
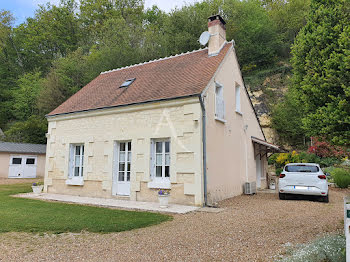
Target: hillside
(266, 88)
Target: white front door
(258, 171)
(122, 169)
(22, 166)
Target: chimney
(217, 30)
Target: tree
(253, 31)
(286, 120)
(289, 17)
(32, 130)
(26, 96)
(321, 70)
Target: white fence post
(347, 226)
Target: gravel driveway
(251, 228)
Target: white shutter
(152, 160)
(71, 161)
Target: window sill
(161, 183)
(220, 119)
(75, 181)
(239, 113)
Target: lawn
(25, 215)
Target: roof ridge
(155, 60)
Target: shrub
(329, 248)
(323, 149)
(341, 177)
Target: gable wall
(230, 157)
(177, 119)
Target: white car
(303, 179)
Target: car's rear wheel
(325, 199)
(282, 196)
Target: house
(184, 123)
(22, 160)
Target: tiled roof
(22, 148)
(172, 77)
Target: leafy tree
(289, 17)
(8, 69)
(52, 33)
(286, 120)
(32, 130)
(25, 97)
(321, 70)
(253, 31)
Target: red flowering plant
(322, 148)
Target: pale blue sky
(21, 9)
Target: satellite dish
(204, 38)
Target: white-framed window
(219, 102)
(238, 99)
(160, 159)
(76, 160)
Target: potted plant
(37, 187)
(163, 197)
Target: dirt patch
(250, 228)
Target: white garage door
(22, 167)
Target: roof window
(127, 82)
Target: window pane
(17, 161)
(82, 150)
(167, 171)
(121, 176)
(167, 147)
(77, 161)
(122, 146)
(82, 160)
(30, 161)
(158, 159)
(82, 169)
(167, 159)
(159, 147)
(129, 167)
(129, 146)
(158, 171)
(122, 156)
(129, 156)
(121, 167)
(128, 176)
(76, 171)
(77, 150)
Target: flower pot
(272, 186)
(37, 189)
(163, 201)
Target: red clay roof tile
(173, 77)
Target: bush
(341, 177)
(329, 248)
(324, 149)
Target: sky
(21, 9)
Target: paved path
(114, 203)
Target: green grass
(25, 215)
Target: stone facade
(179, 120)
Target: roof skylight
(127, 82)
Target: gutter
(204, 139)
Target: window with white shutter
(219, 102)
(238, 99)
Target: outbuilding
(19, 160)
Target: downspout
(204, 149)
